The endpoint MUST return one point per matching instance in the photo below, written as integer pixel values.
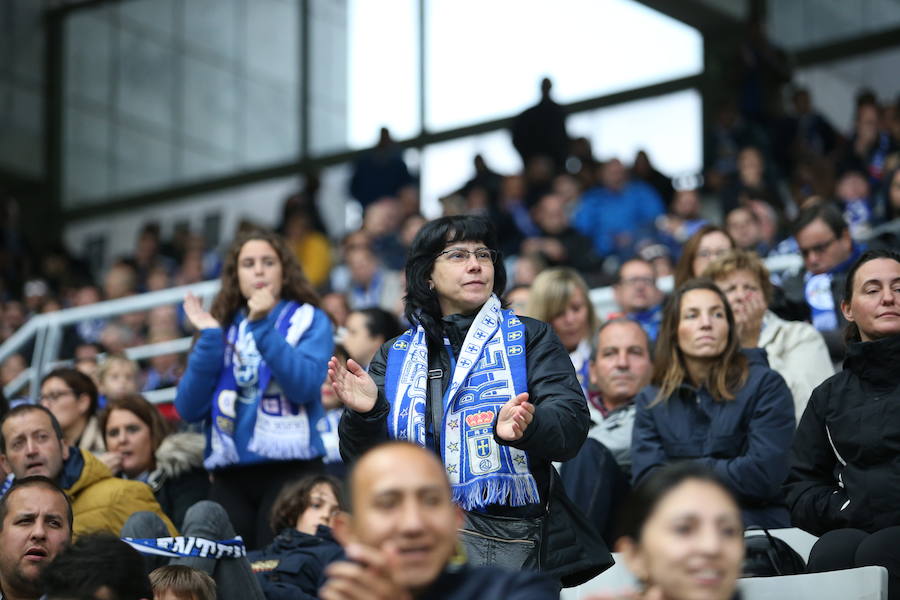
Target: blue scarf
(488, 372)
(282, 430)
(181, 546)
(817, 292)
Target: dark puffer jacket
(292, 567)
(561, 417)
(845, 462)
(745, 441)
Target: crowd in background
(774, 182)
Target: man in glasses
(828, 251)
(638, 297)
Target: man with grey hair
(597, 478)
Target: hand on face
(748, 316)
(113, 460)
(260, 303)
(367, 575)
(352, 385)
(197, 315)
(515, 417)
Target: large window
(384, 70)
(669, 128)
(162, 92)
(484, 59)
(804, 23)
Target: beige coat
(798, 353)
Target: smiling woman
(715, 404)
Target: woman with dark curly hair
(715, 404)
(292, 566)
(253, 379)
(493, 394)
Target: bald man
(401, 538)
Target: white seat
(863, 583)
(614, 579)
(799, 540)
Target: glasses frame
(469, 253)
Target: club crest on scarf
(246, 365)
(489, 370)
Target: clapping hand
(197, 315)
(352, 385)
(367, 574)
(515, 417)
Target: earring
(431, 286)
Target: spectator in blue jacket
(619, 214)
(714, 404)
(253, 380)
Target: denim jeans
(234, 578)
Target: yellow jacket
(102, 502)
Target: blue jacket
(607, 217)
(292, 567)
(746, 441)
(299, 371)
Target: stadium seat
(797, 539)
(863, 583)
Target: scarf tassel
(512, 490)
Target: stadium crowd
(771, 396)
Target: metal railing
(46, 330)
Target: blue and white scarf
(488, 372)
(282, 431)
(182, 546)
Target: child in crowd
(328, 425)
(293, 565)
(116, 377)
(178, 582)
(366, 331)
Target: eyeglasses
(634, 281)
(460, 255)
(54, 396)
(712, 253)
(818, 248)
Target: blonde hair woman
(560, 297)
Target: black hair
(79, 383)
(94, 561)
(647, 495)
(422, 306)
(35, 481)
(295, 497)
(22, 409)
(827, 212)
(851, 331)
(380, 322)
